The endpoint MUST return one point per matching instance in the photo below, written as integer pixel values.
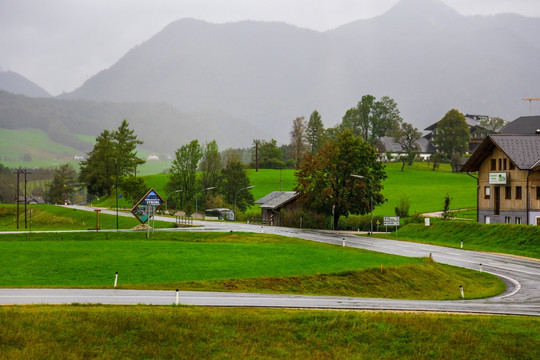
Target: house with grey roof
(272, 204)
(477, 132)
(387, 146)
(508, 182)
(523, 125)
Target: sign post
(391, 221)
(147, 207)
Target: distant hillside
(162, 127)
(18, 84)
(422, 53)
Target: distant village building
(78, 157)
(32, 199)
(523, 125)
(153, 157)
(473, 121)
(389, 149)
(273, 203)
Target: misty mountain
(18, 84)
(422, 53)
(162, 127)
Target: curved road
(522, 277)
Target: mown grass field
(228, 262)
(49, 217)
(502, 238)
(171, 332)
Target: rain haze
(59, 44)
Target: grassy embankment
(502, 238)
(49, 217)
(228, 262)
(170, 332)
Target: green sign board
(147, 206)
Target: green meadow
(50, 217)
(246, 262)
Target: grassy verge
(228, 262)
(83, 332)
(49, 217)
(520, 240)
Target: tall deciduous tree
(269, 155)
(210, 164)
(325, 183)
(452, 137)
(183, 174)
(315, 132)
(407, 137)
(232, 182)
(298, 140)
(63, 185)
(372, 119)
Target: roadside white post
(480, 267)
(461, 290)
(462, 244)
(343, 242)
(176, 296)
(262, 229)
(116, 279)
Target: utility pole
(256, 154)
(20, 171)
(530, 100)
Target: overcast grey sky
(58, 44)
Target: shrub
(402, 210)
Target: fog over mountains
(251, 79)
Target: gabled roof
(471, 120)
(522, 150)
(425, 146)
(523, 125)
(276, 199)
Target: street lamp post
(370, 198)
(235, 195)
(197, 195)
(167, 198)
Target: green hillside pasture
(426, 189)
(268, 180)
(178, 332)
(520, 240)
(228, 262)
(14, 144)
(49, 217)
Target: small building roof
(277, 199)
(523, 125)
(522, 150)
(424, 145)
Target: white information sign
(391, 221)
(497, 178)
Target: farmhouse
(273, 203)
(387, 147)
(508, 184)
(473, 122)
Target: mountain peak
(433, 9)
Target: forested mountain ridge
(421, 53)
(236, 82)
(161, 126)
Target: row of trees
(201, 171)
